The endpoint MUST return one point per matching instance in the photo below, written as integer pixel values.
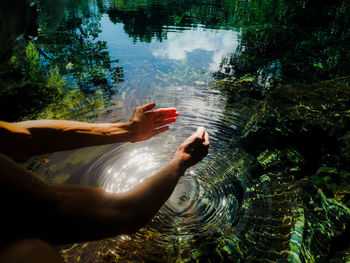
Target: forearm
(147, 198)
(71, 213)
(44, 136)
(89, 213)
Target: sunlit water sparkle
(207, 204)
(207, 198)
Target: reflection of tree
(292, 40)
(29, 88)
(78, 54)
(65, 74)
(144, 20)
(281, 41)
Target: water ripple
(208, 199)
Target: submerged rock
(290, 221)
(301, 109)
(313, 119)
(309, 124)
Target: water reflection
(217, 43)
(189, 45)
(216, 207)
(208, 200)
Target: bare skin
(34, 214)
(44, 136)
(60, 214)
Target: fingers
(206, 139)
(200, 132)
(164, 122)
(147, 107)
(162, 110)
(160, 130)
(197, 138)
(161, 114)
(201, 136)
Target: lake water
(116, 55)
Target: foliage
(31, 89)
(74, 48)
(66, 73)
(146, 20)
(292, 41)
(281, 41)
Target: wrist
(179, 165)
(114, 132)
(132, 129)
(127, 128)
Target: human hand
(146, 122)
(193, 149)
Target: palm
(147, 122)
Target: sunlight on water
(206, 199)
(100, 59)
(128, 171)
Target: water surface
(117, 55)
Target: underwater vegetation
(285, 168)
(288, 171)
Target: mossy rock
(334, 182)
(301, 109)
(288, 160)
(309, 118)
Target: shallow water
(127, 53)
(175, 72)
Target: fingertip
(165, 128)
(206, 138)
(170, 119)
(200, 131)
(152, 105)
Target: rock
(289, 160)
(309, 118)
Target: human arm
(107, 214)
(70, 213)
(43, 136)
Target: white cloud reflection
(218, 42)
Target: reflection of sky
(218, 42)
(210, 44)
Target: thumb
(148, 107)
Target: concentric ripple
(207, 198)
